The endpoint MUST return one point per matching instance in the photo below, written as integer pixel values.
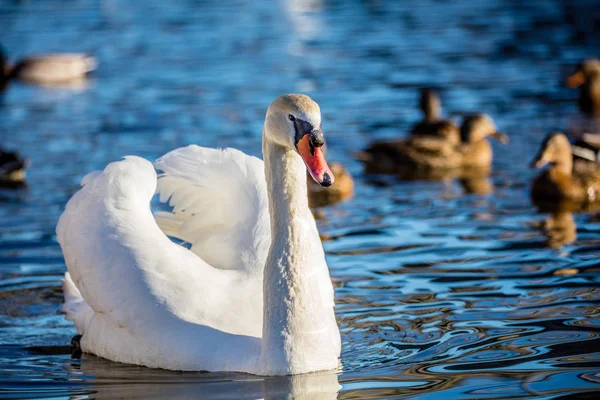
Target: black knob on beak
(326, 180)
(316, 138)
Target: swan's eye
(291, 117)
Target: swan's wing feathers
(219, 200)
(100, 260)
(125, 271)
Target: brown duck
(432, 123)
(573, 185)
(47, 69)
(587, 78)
(427, 154)
(342, 189)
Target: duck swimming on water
(433, 154)
(47, 69)
(432, 123)
(584, 129)
(565, 184)
(587, 78)
(12, 169)
(342, 189)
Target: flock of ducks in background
(436, 148)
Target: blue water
(440, 294)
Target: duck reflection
(560, 229)
(109, 380)
(480, 185)
(471, 181)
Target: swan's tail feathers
(75, 307)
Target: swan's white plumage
(137, 297)
(220, 205)
(113, 208)
(75, 307)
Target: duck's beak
(310, 147)
(575, 80)
(501, 137)
(539, 161)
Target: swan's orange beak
(315, 160)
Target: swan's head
(294, 121)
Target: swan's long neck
(285, 173)
(297, 316)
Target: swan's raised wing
(220, 206)
(131, 275)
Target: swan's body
(252, 295)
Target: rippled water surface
(440, 294)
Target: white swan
(254, 293)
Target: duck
(12, 169)
(47, 69)
(587, 78)
(341, 190)
(433, 155)
(475, 149)
(564, 184)
(251, 294)
(432, 123)
(584, 129)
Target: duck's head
(556, 151)
(294, 121)
(585, 71)
(430, 104)
(478, 127)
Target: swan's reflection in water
(110, 380)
